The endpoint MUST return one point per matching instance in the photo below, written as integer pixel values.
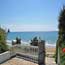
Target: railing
(32, 53)
(25, 52)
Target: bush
(18, 41)
(61, 37)
(34, 42)
(3, 46)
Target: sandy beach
(50, 49)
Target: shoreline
(27, 43)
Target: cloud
(31, 27)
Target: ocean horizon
(50, 37)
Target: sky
(30, 15)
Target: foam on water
(9, 42)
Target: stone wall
(5, 56)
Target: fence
(26, 52)
(32, 53)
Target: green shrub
(34, 42)
(61, 37)
(3, 46)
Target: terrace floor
(18, 61)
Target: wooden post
(41, 56)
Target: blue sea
(49, 37)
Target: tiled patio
(18, 61)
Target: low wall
(5, 56)
(30, 50)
